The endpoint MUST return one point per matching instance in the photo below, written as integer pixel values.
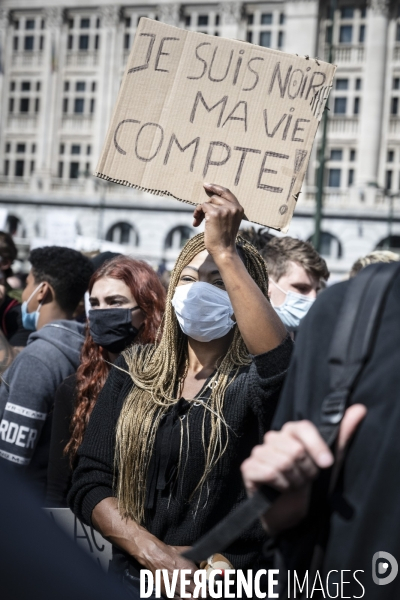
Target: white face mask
(203, 311)
(294, 308)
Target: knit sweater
(173, 516)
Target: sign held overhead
(194, 108)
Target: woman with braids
(127, 304)
(159, 465)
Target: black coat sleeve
(266, 377)
(92, 480)
(59, 471)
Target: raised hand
(222, 214)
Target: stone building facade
(61, 65)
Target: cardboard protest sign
(194, 108)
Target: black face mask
(111, 328)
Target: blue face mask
(30, 320)
(294, 308)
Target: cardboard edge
(165, 193)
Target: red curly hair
(93, 370)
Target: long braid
(155, 372)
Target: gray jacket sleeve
(26, 397)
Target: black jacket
(173, 517)
(365, 510)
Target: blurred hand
(289, 460)
(223, 215)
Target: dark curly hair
(66, 270)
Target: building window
(123, 233)
(358, 83)
(83, 42)
(356, 107)
(177, 237)
(15, 43)
(336, 155)
(24, 105)
(11, 105)
(347, 12)
(361, 34)
(75, 149)
(345, 34)
(398, 32)
(65, 105)
(396, 83)
(334, 178)
(80, 86)
(60, 169)
(340, 106)
(62, 148)
(352, 155)
(350, 179)
(390, 156)
(266, 19)
(30, 24)
(342, 84)
(202, 20)
(6, 168)
(70, 43)
(79, 105)
(25, 86)
(85, 23)
(388, 180)
(281, 37)
(21, 148)
(282, 19)
(28, 43)
(73, 170)
(37, 104)
(394, 109)
(88, 150)
(265, 39)
(331, 246)
(8, 147)
(19, 168)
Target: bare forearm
(260, 326)
(124, 533)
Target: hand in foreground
(289, 461)
(223, 214)
(169, 558)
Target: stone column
(48, 111)
(5, 59)
(169, 13)
(231, 17)
(301, 27)
(370, 125)
(108, 71)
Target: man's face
(295, 280)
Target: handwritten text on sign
(196, 108)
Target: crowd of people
(153, 414)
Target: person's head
(8, 253)
(130, 287)
(385, 256)
(127, 305)
(297, 273)
(258, 237)
(157, 372)
(55, 284)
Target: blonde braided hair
(156, 371)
